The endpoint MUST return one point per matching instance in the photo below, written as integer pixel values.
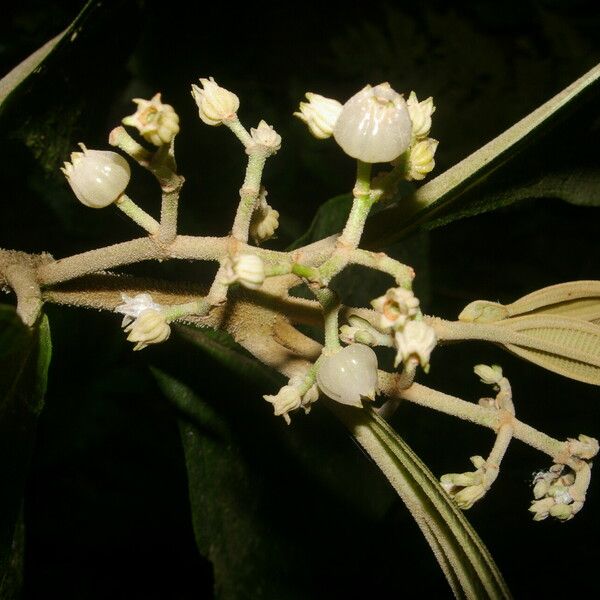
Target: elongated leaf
(566, 346)
(438, 194)
(463, 557)
(24, 362)
(574, 299)
(33, 63)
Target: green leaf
(24, 361)
(328, 220)
(440, 194)
(34, 64)
(464, 559)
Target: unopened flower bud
(374, 125)
(349, 375)
(415, 340)
(97, 177)
(420, 115)
(215, 104)
(158, 123)
(420, 160)
(247, 270)
(264, 135)
(150, 327)
(584, 447)
(287, 399)
(488, 374)
(265, 220)
(320, 114)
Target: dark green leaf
(24, 362)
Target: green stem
(402, 274)
(239, 131)
(360, 207)
(249, 193)
(197, 308)
(137, 214)
(331, 307)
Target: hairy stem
(137, 214)
(360, 207)
(248, 194)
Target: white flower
(133, 307)
(150, 327)
(396, 307)
(415, 340)
(320, 114)
(246, 269)
(287, 399)
(420, 115)
(216, 104)
(374, 125)
(349, 375)
(420, 160)
(264, 135)
(265, 220)
(97, 177)
(158, 123)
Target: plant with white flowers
(380, 129)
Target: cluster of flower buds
(144, 320)
(265, 220)
(560, 492)
(292, 396)
(361, 331)
(377, 125)
(399, 315)
(158, 123)
(246, 269)
(97, 177)
(467, 488)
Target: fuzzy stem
(239, 131)
(360, 208)
(177, 311)
(331, 307)
(25, 286)
(121, 139)
(249, 193)
(403, 275)
(137, 214)
(479, 415)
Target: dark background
(106, 508)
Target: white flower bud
(150, 327)
(216, 104)
(158, 123)
(287, 399)
(420, 115)
(133, 307)
(490, 375)
(247, 270)
(396, 307)
(349, 375)
(420, 159)
(374, 125)
(416, 340)
(264, 135)
(97, 177)
(264, 220)
(320, 114)
(584, 447)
